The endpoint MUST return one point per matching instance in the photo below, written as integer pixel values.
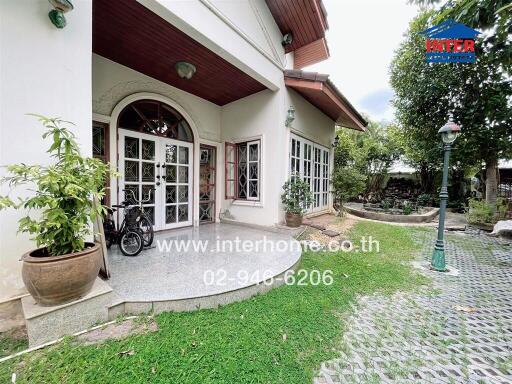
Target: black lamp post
(449, 133)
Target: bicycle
(128, 235)
(145, 224)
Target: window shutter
(230, 169)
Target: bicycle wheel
(147, 230)
(131, 243)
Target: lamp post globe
(449, 133)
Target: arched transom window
(156, 118)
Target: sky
(362, 36)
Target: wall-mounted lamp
(56, 15)
(336, 141)
(290, 116)
(185, 70)
(287, 39)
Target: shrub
(482, 212)
(407, 208)
(297, 196)
(347, 183)
(424, 199)
(386, 204)
(64, 193)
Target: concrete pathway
(459, 330)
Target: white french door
(148, 162)
(310, 161)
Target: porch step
(46, 324)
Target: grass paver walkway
(457, 331)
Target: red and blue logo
(450, 42)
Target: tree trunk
(491, 181)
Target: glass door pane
(207, 169)
(176, 183)
(138, 168)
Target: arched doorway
(155, 149)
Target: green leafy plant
(424, 199)
(60, 211)
(297, 196)
(483, 212)
(407, 208)
(347, 183)
(386, 204)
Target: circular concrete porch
(206, 275)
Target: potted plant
(297, 198)
(59, 214)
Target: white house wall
(47, 71)
(310, 122)
(112, 82)
(258, 116)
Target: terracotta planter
(54, 280)
(293, 220)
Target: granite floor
(160, 274)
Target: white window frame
(258, 165)
(248, 200)
(319, 173)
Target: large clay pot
(54, 280)
(293, 220)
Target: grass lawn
(279, 337)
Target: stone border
(423, 218)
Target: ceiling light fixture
(185, 70)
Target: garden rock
(503, 228)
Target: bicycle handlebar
(140, 201)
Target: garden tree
(374, 153)
(477, 96)
(361, 161)
(494, 17)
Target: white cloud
(362, 37)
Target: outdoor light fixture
(185, 70)
(287, 39)
(290, 116)
(449, 133)
(56, 15)
(336, 141)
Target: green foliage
(482, 212)
(361, 161)
(62, 206)
(280, 337)
(492, 16)
(407, 208)
(424, 199)
(297, 196)
(347, 183)
(476, 95)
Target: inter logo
(450, 42)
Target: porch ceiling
(322, 93)
(128, 33)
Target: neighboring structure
(213, 142)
